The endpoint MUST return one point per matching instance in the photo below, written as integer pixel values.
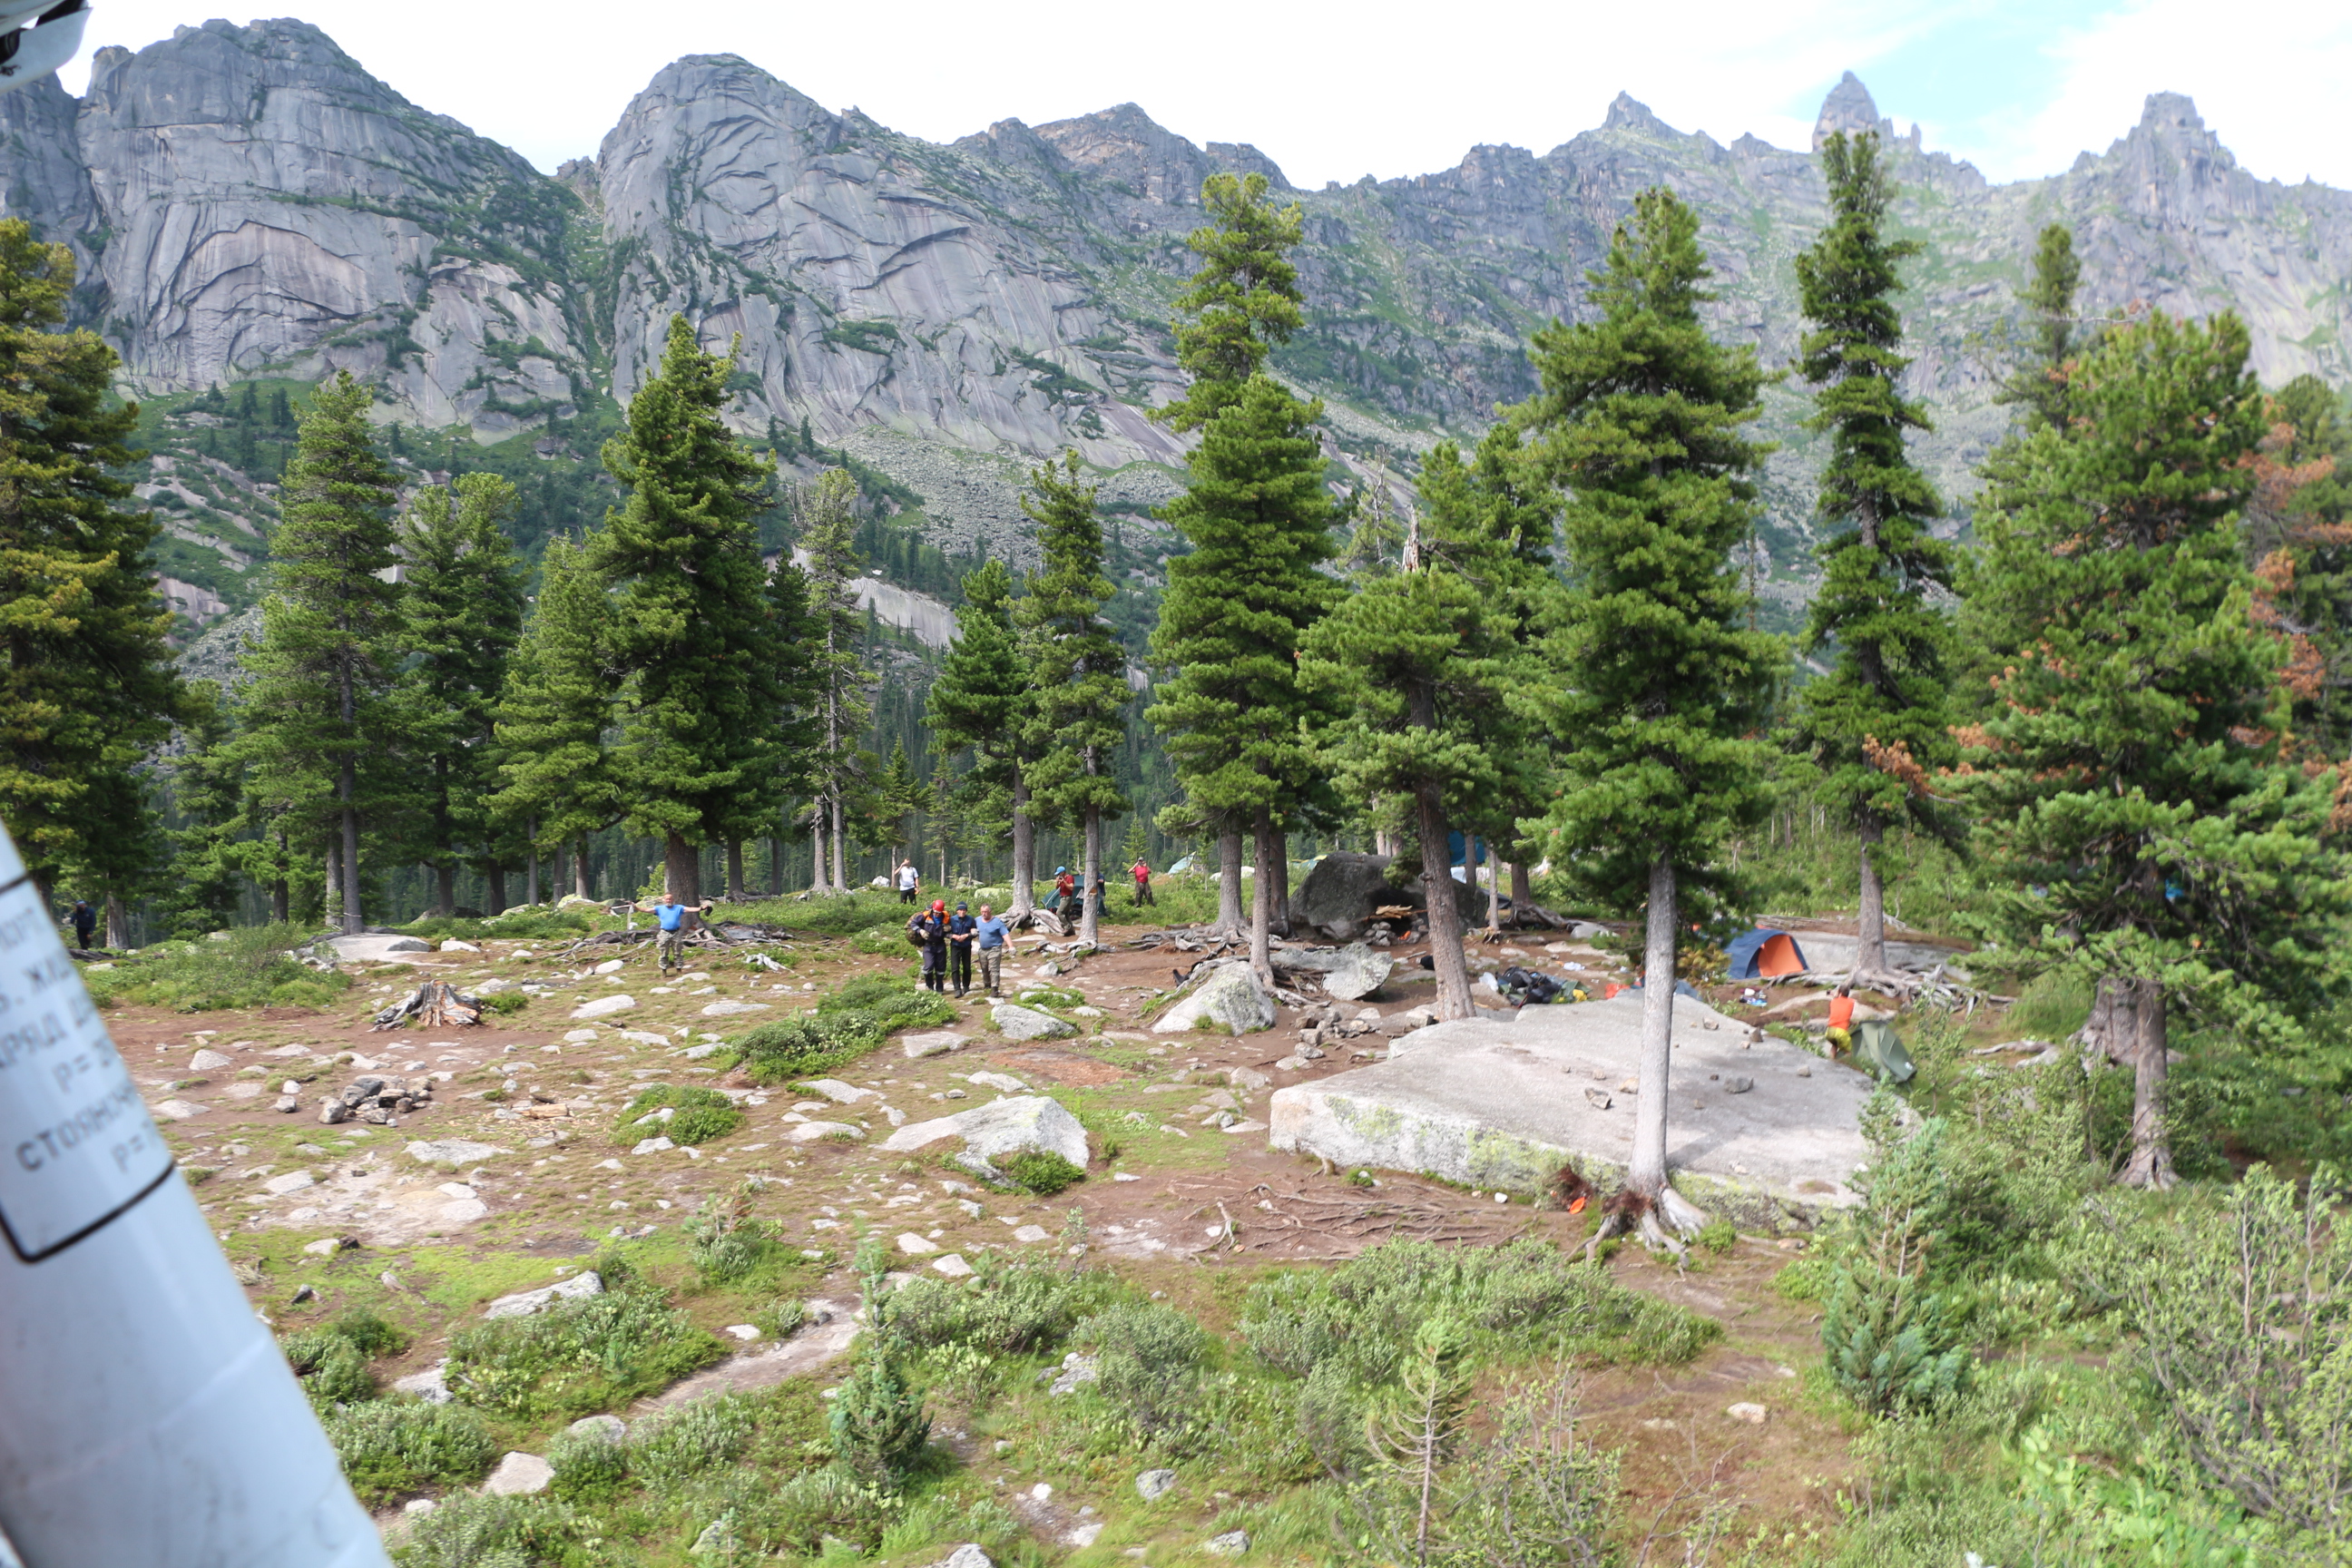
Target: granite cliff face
(248, 200)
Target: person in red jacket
(1141, 872)
(1840, 1033)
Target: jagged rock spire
(1849, 108)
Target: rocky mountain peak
(1849, 108)
(1627, 113)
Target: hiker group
(951, 943)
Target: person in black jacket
(930, 930)
(961, 927)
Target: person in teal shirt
(671, 943)
(989, 937)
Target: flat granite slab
(1504, 1105)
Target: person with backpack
(929, 930)
(1065, 886)
(961, 927)
(85, 924)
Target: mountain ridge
(250, 201)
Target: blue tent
(1761, 954)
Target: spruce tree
(2038, 384)
(794, 634)
(899, 794)
(1258, 519)
(321, 737)
(2129, 789)
(1876, 725)
(1425, 663)
(208, 859)
(841, 683)
(981, 701)
(461, 617)
(1078, 725)
(1658, 683)
(554, 768)
(88, 687)
(689, 613)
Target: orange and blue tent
(1761, 954)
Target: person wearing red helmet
(929, 930)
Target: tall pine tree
(461, 617)
(690, 618)
(841, 684)
(1659, 683)
(2131, 794)
(981, 701)
(1259, 519)
(1876, 725)
(2038, 384)
(321, 736)
(555, 769)
(1081, 671)
(208, 860)
(87, 686)
(1425, 662)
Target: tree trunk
(1668, 1216)
(1024, 855)
(735, 871)
(497, 876)
(816, 849)
(118, 923)
(2151, 1155)
(1494, 888)
(349, 788)
(282, 896)
(1261, 928)
(1230, 922)
(1444, 914)
(1281, 875)
(1089, 923)
(445, 890)
(580, 883)
(530, 862)
(840, 846)
(332, 909)
(1384, 843)
(682, 869)
(775, 867)
(1871, 956)
(1523, 895)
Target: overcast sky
(1334, 92)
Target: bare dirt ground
(1179, 1204)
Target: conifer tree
(1425, 662)
(2038, 384)
(899, 794)
(2128, 784)
(793, 634)
(982, 700)
(690, 616)
(1876, 725)
(461, 616)
(87, 686)
(1258, 517)
(208, 862)
(839, 679)
(1080, 670)
(319, 735)
(1659, 685)
(555, 771)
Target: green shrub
(1148, 1360)
(728, 1242)
(799, 1514)
(505, 1002)
(879, 1429)
(883, 940)
(470, 1530)
(1040, 1170)
(393, 1445)
(332, 1358)
(1892, 1344)
(698, 1115)
(846, 1024)
(891, 1003)
(1015, 1308)
(591, 1463)
(2051, 1006)
(1808, 1279)
(578, 1356)
(254, 967)
(673, 1448)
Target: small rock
(1003, 1083)
(952, 1265)
(517, 1475)
(610, 966)
(205, 1061)
(1033, 1233)
(584, 1037)
(612, 1426)
(813, 1131)
(936, 1043)
(604, 1006)
(747, 1332)
(1042, 1492)
(1153, 1485)
(452, 1152)
(291, 1182)
(1599, 1098)
(304, 1293)
(1232, 1544)
(452, 944)
(635, 1037)
(179, 1109)
(1737, 1084)
(418, 1505)
(653, 1146)
(729, 1009)
(968, 1555)
(840, 1093)
(1084, 1535)
(1018, 1023)
(908, 1242)
(329, 1247)
(1754, 1415)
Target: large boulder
(1364, 972)
(1225, 996)
(1000, 1128)
(1020, 1023)
(1338, 896)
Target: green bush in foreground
(332, 1358)
(845, 1026)
(1892, 1345)
(1040, 1170)
(698, 1115)
(252, 966)
(879, 1429)
(1014, 1309)
(1148, 1360)
(470, 1530)
(578, 1356)
(391, 1447)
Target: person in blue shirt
(961, 927)
(671, 943)
(990, 938)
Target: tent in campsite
(1762, 955)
